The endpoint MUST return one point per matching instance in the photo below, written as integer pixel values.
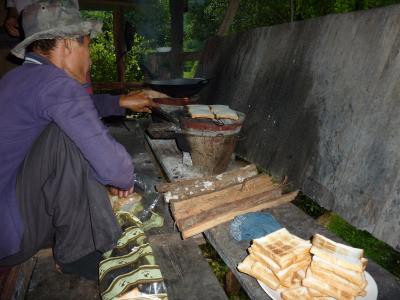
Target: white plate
(372, 290)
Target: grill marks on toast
(282, 260)
(283, 247)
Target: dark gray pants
(61, 202)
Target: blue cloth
(252, 226)
(31, 97)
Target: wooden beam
(112, 4)
(229, 17)
(119, 42)
(177, 8)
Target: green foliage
(375, 249)
(102, 52)
(204, 17)
(220, 269)
(152, 22)
(308, 205)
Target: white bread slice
(316, 283)
(223, 112)
(331, 246)
(347, 262)
(200, 111)
(296, 294)
(289, 271)
(358, 278)
(283, 247)
(336, 281)
(251, 267)
(257, 252)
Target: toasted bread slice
(251, 267)
(292, 269)
(337, 248)
(358, 278)
(224, 112)
(350, 263)
(200, 111)
(336, 281)
(257, 252)
(316, 283)
(283, 247)
(296, 294)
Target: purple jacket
(32, 96)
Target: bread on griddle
(200, 111)
(223, 112)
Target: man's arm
(107, 105)
(110, 105)
(66, 103)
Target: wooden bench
(290, 216)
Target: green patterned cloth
(130, 268)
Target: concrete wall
(322, 99)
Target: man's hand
(12, 26)
(120, 193)
(141, 101)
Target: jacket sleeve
(63, 101)
(107, 105)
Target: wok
(178, 87)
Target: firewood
(206, 202)
(226, 213)
(185, 189)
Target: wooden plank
(211, 221)
(47, 283)
(237, 192)
(119, 42)
(14, 283)
(186, 273)
(217, 181)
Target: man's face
(78, 62)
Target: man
(56, 157)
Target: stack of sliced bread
(283, 262)
(336, 270)
(279, 260)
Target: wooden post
(177, 8)
(119, 42)
(291, 11)
(229, 17)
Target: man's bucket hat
(53, 20)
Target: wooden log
(195, 216)
(184, 187)
(217, 217)
(196, 205)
